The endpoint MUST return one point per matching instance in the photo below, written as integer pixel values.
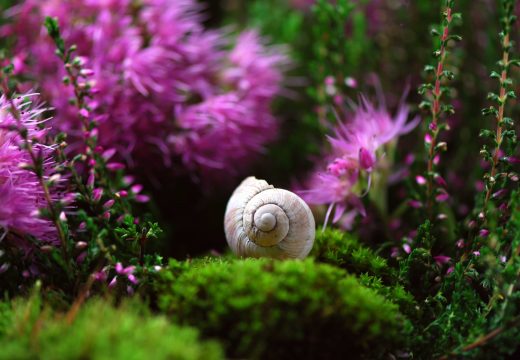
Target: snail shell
(262, 221)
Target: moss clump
(262, 308)
(343, 250)
(99, 331)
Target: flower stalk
(504, 125)
(433, 102)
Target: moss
(5, 316)
(99, 331)
(262, 308)
(343, 250)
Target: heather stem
(499, 118)
(434, 129)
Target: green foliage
(278, 22)
(418, 272)
(342, 249)
(282, 309)
(5, 316)
(504, 140)
(448, 316)
(99, 331)
(395, 293)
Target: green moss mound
(341, 249)
(262, 308)
(99, 331)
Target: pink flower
(355, 149)
(441, 259)
(420, 180)
(232, 122)
(165, 88)
(21, 195)
(126, 271)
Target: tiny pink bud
(115, 166)
(90, 180)
(416, 204)
(421, 180)
(113, 283)
(109, 204)
(63, 217)
(512, 160)
(81, 257)
(366, 159)
(351, 82)
(4, 268)
(86, 72)
(142, 198)
(100, 276)
(441, 259)
(483, 233)
(84, 112)
(106, 215)
(108, 154)
(329, 80)
(442, 197)
(440, 181)
(499, 194)
(132, 279)
(407, 249)
(97, 193)
(128, 179)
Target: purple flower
(441, 259)
(227, 120)
(21, 194)
(356, 148)
(421, 180)
(164, 87)
(126, 271)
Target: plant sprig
(433, 94)
(504, 131)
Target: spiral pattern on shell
(262, 221)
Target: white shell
(262, 221)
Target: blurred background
(346, 45)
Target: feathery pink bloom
(163, 84)
(21, 194)
(355, 150)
